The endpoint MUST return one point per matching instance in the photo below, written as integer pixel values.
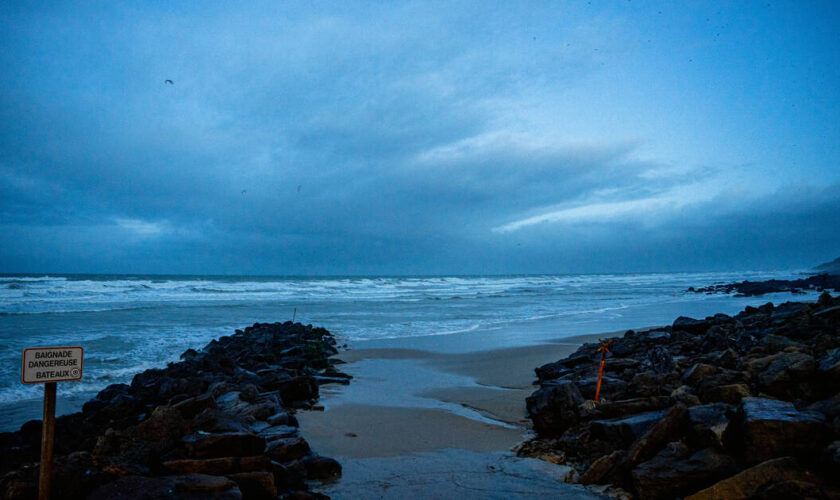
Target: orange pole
(604, 350)
(600, 376)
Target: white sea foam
(128, 324)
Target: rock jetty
(218, 424)
(818, 283)
(719, 408)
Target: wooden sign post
(49, 365)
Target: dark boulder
(218, 421)
(218, 466)
(193, 486)
(256, 485)
(691, 325)
(287, 449)
(667, 476)
(611, 387)
(598, 472)
(698, 373)
(659, 360)
(624, 407)
(748, 482)
(780, 374)
(829, 365)
(229, 444)
(707, 425)
(624, 431)
(762, 429)
(671, 427)
(318, 467)
(191, 407)
(793, 488)
(554, 408)
(165, 425)
(278, 431)
(731, 394)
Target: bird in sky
(244, 191)
(170, 82)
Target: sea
(127, 324)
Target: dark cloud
(414, 133)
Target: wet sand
(406, 403)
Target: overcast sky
(414, 138)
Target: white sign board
(51, 364)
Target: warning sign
(51, 364)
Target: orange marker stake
(604, 350)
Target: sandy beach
(408, 409)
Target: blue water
(129, 323)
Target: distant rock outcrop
(818, 283)
(218, 424)
(724, 407)
(832, 267)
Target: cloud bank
(413, 138)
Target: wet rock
(746, 483)
(690, 325)
(762, 429)
(193, 486)
(287, 449)
(830, 408)
(626, 430)
(830, 459)
(829, 365)
(600, 468)
(282, 418)
(665, 476)
(256, 485)
(318, 467)
(248, 393)
(619, 365)
(218, 421)
(787, 352)
(731, 394)
(77, 474)
(683, 395)
(728, 359)
(792, 488)
(229, 444)
(655, 335)
(165, 425)
(781, 373)
(611, 387)
(707, 425)
(669, 428)
(699, 373)
(659, 360)
(320, 380)
(614, 409)
(277, 432)
(232, 402)
(167, 421)
(289, 476)
(297, 389)
(191, 407)
(554, 407)
(218, 466)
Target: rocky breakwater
(819, 283)
(218, 424)
(719, 408)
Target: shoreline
(408, 408)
